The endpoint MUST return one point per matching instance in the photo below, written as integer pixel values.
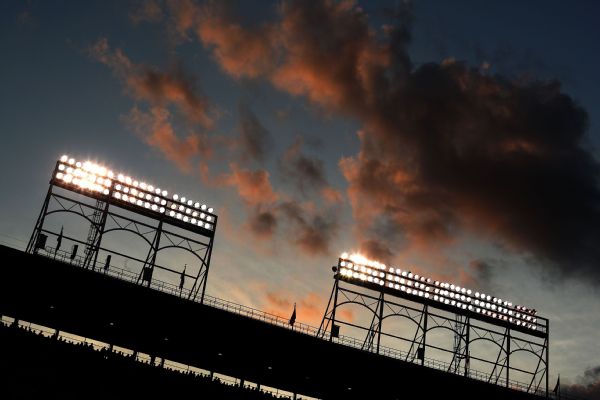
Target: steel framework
(467, 328)
(105, 215)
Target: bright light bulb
(203, 206)
(59, 175)
(128, 180)
(162, 210)
(106, 191)
(165, 193)
(210, 210)
(64, 158)
(136, 183)
(197, 205)
(121, 178)
(117, 195)
(61, 167)
(183, 199)
(189, 203)
(175, 197)
(143, 185)
(71, 161)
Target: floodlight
(91, 177)
(460, 297)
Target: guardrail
(239, 309)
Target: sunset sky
(458, 138)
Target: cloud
(331, 195)
(312, 231)
(253, 186)
(588, 385)
(262, 223)
(156, 130)
(160, 90)
(306, 173)
(240, 52)
(445, 148)
(255, 140)
(146, 11)
(309, 309)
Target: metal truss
(426, 317)
(103, 218)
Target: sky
(458, 138)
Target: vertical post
(467, 340)
(39, 223)
(210, 247)
(151, 254)
(323, 325)
(101, 233)
(547, 343)
(507, 356)
(381, 300)
(426, 312)
(336, 287)
(156, 246)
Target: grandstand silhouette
(84, 326)
(221, 337)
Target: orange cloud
(254, 187)
(309, 309)
(160, 90)
(331, 195)
(239, 51)
(154, 127)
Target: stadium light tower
(112, 193)
(439, 305)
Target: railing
(273, 319)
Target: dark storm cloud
(255, 140)
(307, 173)
(587, 387)
(262, 223)
(444, 147)
(312, 231)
